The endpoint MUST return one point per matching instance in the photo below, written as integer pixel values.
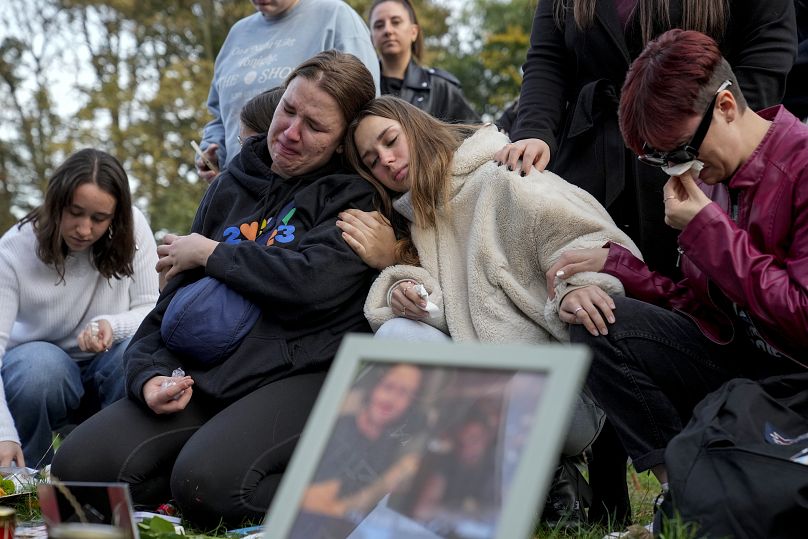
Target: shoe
(563, 507)
(660, 512)
(167, 509)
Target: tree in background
(486, 48)
(141, 70)
(33, 135)
(152, 62)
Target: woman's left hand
(590, 306)
(370, 235)
(180, 253)
(405, 301)
(96, 337)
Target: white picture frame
(536, 388)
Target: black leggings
(218, 465)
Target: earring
(109, 232)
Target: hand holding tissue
(683, 199)
(681, 168)
(431, 308)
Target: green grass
(643, 489)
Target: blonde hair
(705, 16)
(431, 144)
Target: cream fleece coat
(484, 262)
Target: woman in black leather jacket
(399, 43)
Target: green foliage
(156, 528)
(146, 69)
(489, 62)
(142, 74)
(7, 486)
(432, 17)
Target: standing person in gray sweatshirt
(261, 50)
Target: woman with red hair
(738, 194)
(579, 53)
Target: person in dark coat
(796, 98)
(580, 51)
(398, 40)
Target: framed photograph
(430, 440)
(93, 504)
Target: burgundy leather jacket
(758, 262)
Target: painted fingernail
(523, 174)
(510, 168)
(560, 273)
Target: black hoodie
(309, 284)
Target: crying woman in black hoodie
(218, 438)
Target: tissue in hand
(681, 168)
(431, 308)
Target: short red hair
(675, 77)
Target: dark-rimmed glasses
(687, 152)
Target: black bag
(740, 467)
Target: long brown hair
(113, 252)
(431, 144)
(706, 16)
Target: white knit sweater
(36, 306)
(484, 262)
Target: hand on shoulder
(532, 152)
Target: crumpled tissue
(681, 168)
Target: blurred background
(131, 77)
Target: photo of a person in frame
(470, 458)
(370, 452)
(420, 452)
(463, 478)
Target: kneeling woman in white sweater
(77, 276)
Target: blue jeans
(404, 329)
(654, 366)
(44, 384)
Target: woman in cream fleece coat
(480, 239)
(484, 236)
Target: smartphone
(201, 155)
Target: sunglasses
(687, 152)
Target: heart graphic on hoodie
(249, 230)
